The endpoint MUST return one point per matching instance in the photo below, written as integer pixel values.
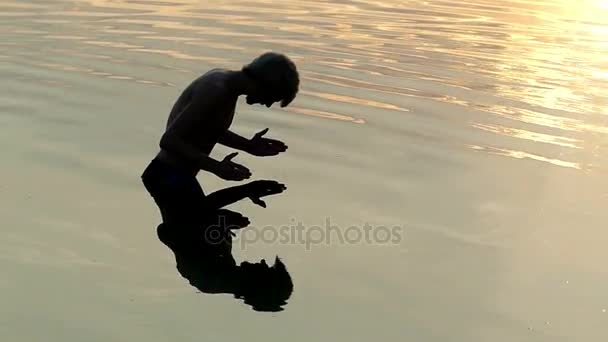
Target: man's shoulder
(213, 78)
(213, 81)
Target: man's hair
(265, 288)
(277, 72)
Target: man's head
(265, 288)
(275, 78)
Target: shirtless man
(199, 119)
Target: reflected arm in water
(253, 190)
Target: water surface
(477, 127)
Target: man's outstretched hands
(229, 170)
(260, 188)
(262, 147)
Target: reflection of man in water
(200, 118)
(263, 287)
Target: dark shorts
(177, 193)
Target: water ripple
(538, 67)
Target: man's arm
(235, 141)
(257, 146)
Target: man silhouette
(201, 118)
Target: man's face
(262, 96)
(253, 99)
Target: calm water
(477, 128)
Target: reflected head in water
(270, 78)
(205, 260)
(266, 288)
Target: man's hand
(260, 188)
(232, 220)
(229, 170)
(261, 147)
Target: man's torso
(212, 125)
